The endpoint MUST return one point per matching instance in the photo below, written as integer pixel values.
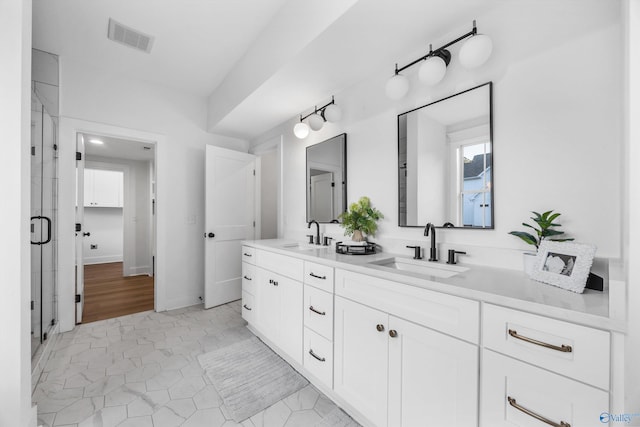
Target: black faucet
(433, 252)
(313, 221)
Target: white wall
(92, 101)
(106, 226)
(15, 261)
(557, 133)
(630, 225)
(269, 195)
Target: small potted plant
(360, 219)
(545, 230)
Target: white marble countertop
(509, 288)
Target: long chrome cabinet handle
(321, 313)
(318, 277)
(248, 308)
(563, 348)
(322, 359)
(513, 403)
(248, 278)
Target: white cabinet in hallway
(103, 188)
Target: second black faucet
(433, 251)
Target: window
(474, 163)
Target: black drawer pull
(246, 254)
(248, 278)
(322, 359)
(248, 308)
(318, 277)
(321, 313)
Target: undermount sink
(421, 267)
(295, 246)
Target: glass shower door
(43, 216)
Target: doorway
(116, 241)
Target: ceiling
(260, 63)
(116, 148)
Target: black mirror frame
(448, 224)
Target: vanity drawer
(318, 311)
(249, 278)
(452, 315)
(539, 340)
(509, 387)
(318, 356)
(248, 254)
(281, 264)
(318, 275)
(248, 307)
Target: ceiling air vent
(128, 36)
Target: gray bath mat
(250, 377)
(337, 418)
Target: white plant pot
(529, 261)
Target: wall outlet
(94, 246)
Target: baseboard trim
(102, 259)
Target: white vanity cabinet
(399, 373)
(318, 321)
(249, 280)
(278, 301)
(571, 390)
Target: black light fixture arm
(439, 51)
(316, 109)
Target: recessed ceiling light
(96, 141)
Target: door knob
(86, 234)
(380, 327)
(393, 333)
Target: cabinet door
(290, 322)
(267, 319)
(433, 378)
(361, 358)
(88, 187)
(103, 188)
(515, 393)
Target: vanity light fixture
(474, 52)
(329, 112)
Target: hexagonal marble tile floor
(142, 370)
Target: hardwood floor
(107, 294)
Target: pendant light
(475, 51)
(397, 86)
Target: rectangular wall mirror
(445, 162)
(327, 179)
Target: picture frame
(564, 264)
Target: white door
(361, 358)
(229, 219)
(321, 197)
(80, 233)
(433, 378)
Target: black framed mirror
(445, 162)
(326, 179)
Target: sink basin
(295, 246)
(421, 267)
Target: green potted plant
(545, 230)
(360, 219)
